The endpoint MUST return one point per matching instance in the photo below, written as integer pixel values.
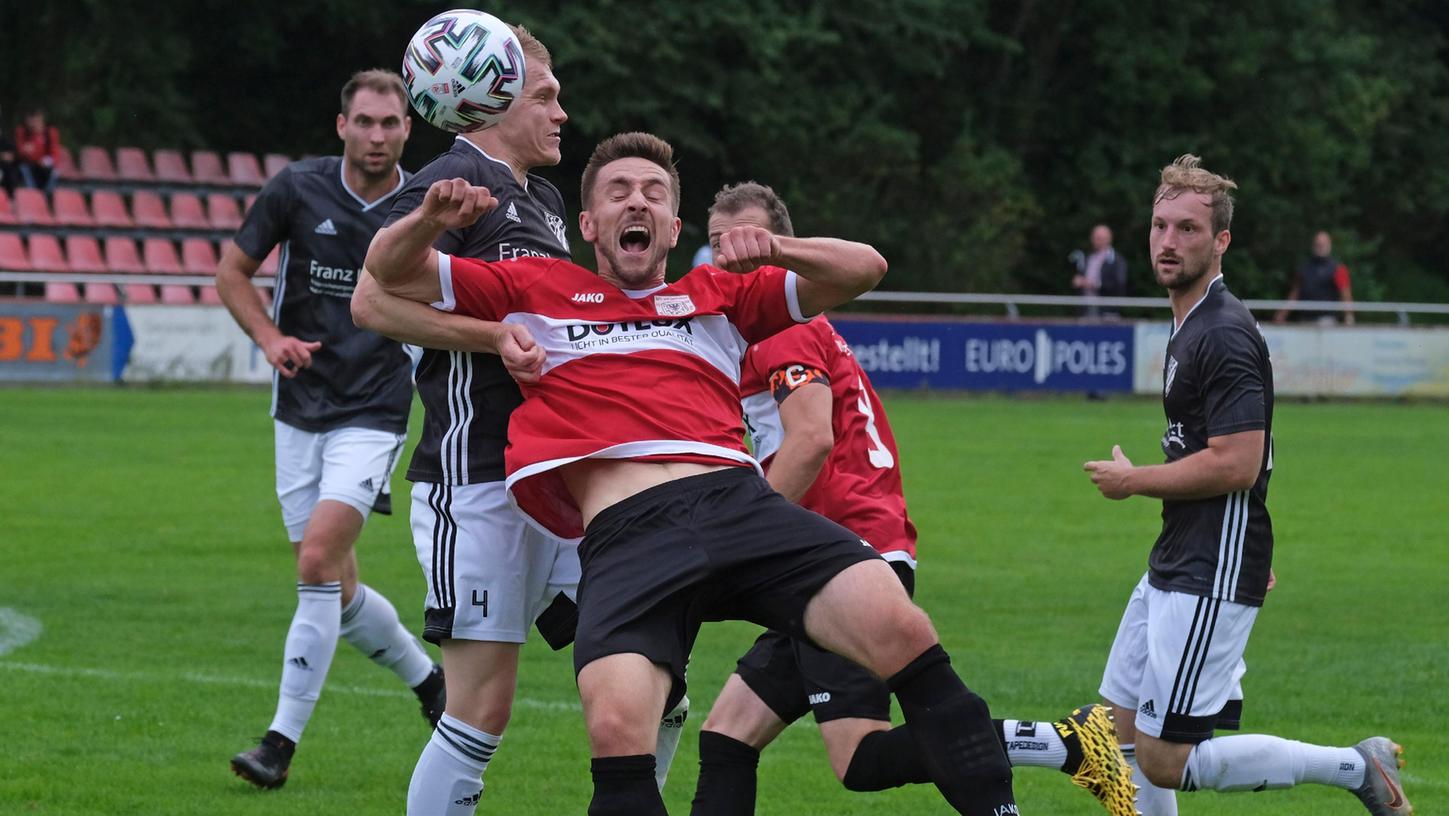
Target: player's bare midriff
(598, 483)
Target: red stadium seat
(176, 295)
(223, 212)
(45, 254)
(84, 254)
(139, 293)
(95, 164)
(7, 211)
(32, 208)
(186, 212)
(171, 166)
(148, 211)
(209, 297)
(244, 169)
(206, 168)
(132, 165)
(121, 256)
(65, 164)
(109, 209)
(12, 253)
(273, 163)
(60, 292)
(71, 209)
(198, 256)
(101, 294)
(161, 258)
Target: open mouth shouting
(636, 239)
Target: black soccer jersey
(357, 378)
(467, 397)
(1217, 380)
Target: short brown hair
(530, 45)
(735, 197)
(380, 80)
(633, 145)
(1187, 173)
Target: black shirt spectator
(1321, 277)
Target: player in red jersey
(630, 434)
(823, 436)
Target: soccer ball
(463, 70)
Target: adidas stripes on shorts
(1178, 660)
(490, 575)
(349, 465)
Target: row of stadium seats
(169, 167)
(116, 255)
(107, 209)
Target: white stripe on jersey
(720, 345)
(278, 292)
(1230, 546)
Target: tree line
(974, 141)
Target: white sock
(372, 626)
(1253, 762)
(671, 728)
(1033, 744)
(311, 641)
(1151, 800)
(448, 779)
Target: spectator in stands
(37, 150)
(9, 174)
(1321, 277)
(1103, 272)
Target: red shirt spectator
(37, 149)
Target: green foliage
(974, 141)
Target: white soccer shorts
(1178, 660)
(490, 574)
(349, 465)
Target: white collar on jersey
(636, 294)
(508, 166)
(1208, 291)
(402, 176)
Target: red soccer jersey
(646, 374)
(859, 486)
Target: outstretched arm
(402, 259)
(832, 271)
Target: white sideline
(248, 682)
(16, 630)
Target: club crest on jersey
(559, 229)
(1171, 373)
(673, 305)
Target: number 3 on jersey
(880, 455)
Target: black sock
(624, 786)
(886, 759)
(726, 785)
(957, 740)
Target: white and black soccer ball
(463, 70)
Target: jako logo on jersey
(673, 305)
(588, 297)
(580, 331)
(819, 698)
(326, 228)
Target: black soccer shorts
(718, 546)
(793, 676)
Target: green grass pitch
(140, 529)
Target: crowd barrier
(138, 344)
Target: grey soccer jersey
(357, 378)
(467, 397)
(1217, 380)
